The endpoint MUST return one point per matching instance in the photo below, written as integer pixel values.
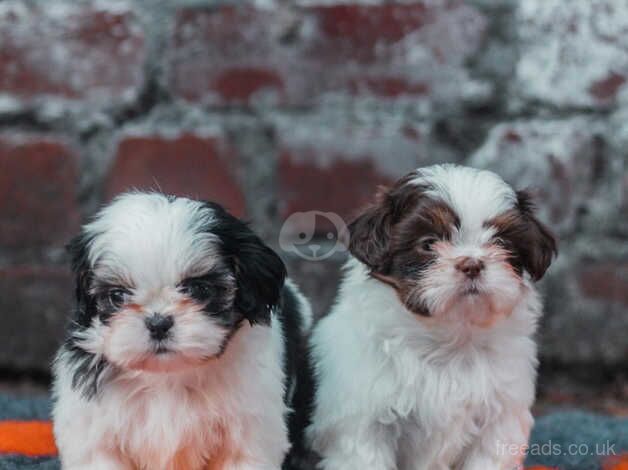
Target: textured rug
(569, 440)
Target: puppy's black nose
(471, 267)
(159, 325)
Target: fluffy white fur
(190, 409)
(449, 391)
(181, 420)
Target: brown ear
(369, 236)
(371, 232)
(539, 246)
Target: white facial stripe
(473, 237)
(152, 240)
(475, 195)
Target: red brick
(239, 84)
(387, 87)
(69, 52)
(319, 173)
(606, 90)
(363, 33)
(342, 187)
(38, 192)
(223, 54)
(186, 165)
(35, 303)
(560, 161)
(226, 55)
(606, 282)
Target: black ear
(259, 272)
(85, 303)
(539, 246)
(371, 232)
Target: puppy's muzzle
(159, 325)
(470, 267)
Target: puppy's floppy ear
(260, 275)
(369, 235)
(85, 302)
(371, 232)
(538, 247)
(259, 272)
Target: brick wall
(276, 107)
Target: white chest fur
(448, 406)
(187, 420)
(420, 396)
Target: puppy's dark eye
(197, 289)
(116, 297)
(427, 243)
(504, 244)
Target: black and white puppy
(183, 351)
(427, 361)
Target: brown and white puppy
(427, 360)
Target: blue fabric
(12, 408)
(576, 440)
(558, 440)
